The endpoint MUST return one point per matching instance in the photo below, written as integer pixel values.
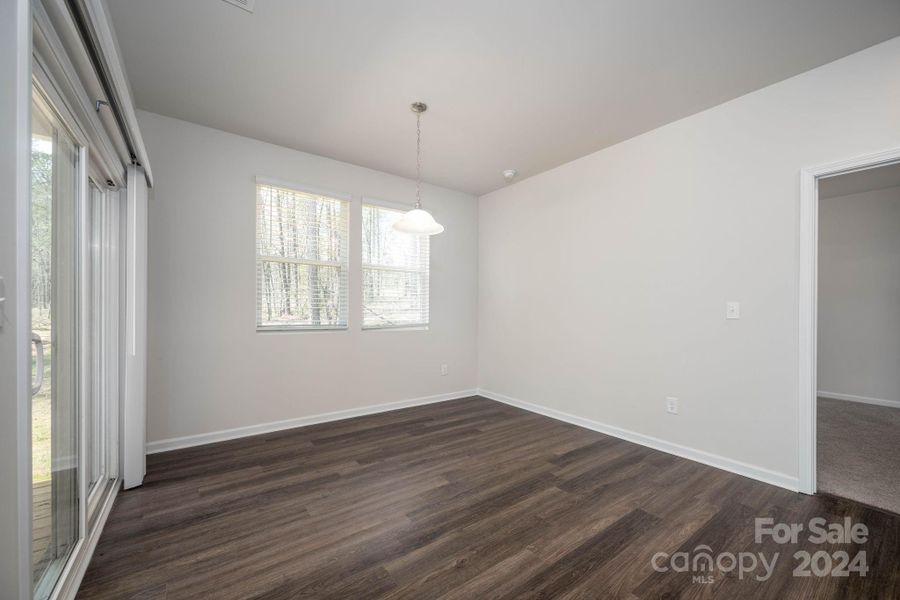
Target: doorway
(844, 266)
(858, 337)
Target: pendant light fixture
(418, 221)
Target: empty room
(449, 300)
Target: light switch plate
(732, 310)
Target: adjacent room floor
(859, 452)
(467, 499)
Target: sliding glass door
(75, 227)
(55, 183)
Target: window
(395, 272)
(301, 259)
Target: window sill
(398, 328)
(276, 329)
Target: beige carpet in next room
(859, 452)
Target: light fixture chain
(418, 160)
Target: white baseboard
(860, 399)
(713, 460)
(239, 432)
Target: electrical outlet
(732, 310)
(671, 405)
(2, 302)
(444, 370)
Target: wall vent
(245, 4)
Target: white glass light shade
(418, 221)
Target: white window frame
(345, 264)
(103, 296)
(377, 203)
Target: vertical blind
(301, 259)
(394, 272)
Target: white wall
(208, 368)
(15, 317)
(859, 295)
(603, 282)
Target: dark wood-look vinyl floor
(467, 499)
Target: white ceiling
(524, 84)
(869, 180)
